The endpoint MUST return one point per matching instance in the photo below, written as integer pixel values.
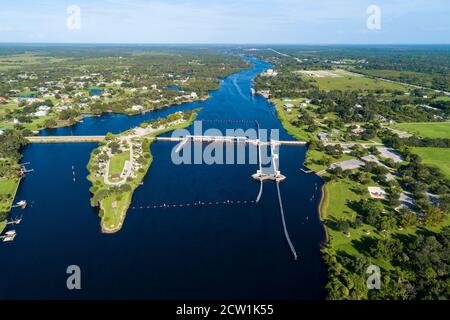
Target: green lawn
(118, 162)
(442, 98)
(17, 61)
(437, 157)
(426, 129)
(112, 218)
(287, 118)
(8, 189)
(335, 206)
(349, 82)
(6, 108)
(419, 78)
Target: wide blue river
(202, 252)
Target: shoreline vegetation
(11, 173)
(347, 240)
(9, 202)
(114, 181)
(384, 200)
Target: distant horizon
(224, 44)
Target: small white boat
(21, 204)
(10, 233)
(8, 239)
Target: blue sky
(226, 21)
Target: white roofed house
(269, 73)
(358, 130)
(43, 108)
(288, 106)
(194, 95)
(323, 136)
(137, 108)
(40, 113)
(63, 107)
(377, 193)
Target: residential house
(137, 108)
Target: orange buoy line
(194, 204)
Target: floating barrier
(194, 204)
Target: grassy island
(118, 166)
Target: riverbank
(311, 156)
(8, 187)
(360, 228)
(113, 191)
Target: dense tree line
(11, 141)
(421, 269)
(393, 140)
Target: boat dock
(14, 221)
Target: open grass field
(9, 62)
(7, 108)
(426, 129)
(353, 82)
(418, 78)
(114, 209)
(335, 207)
(118, 162)
(442, 98)
(7, 187)
(437, 157)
